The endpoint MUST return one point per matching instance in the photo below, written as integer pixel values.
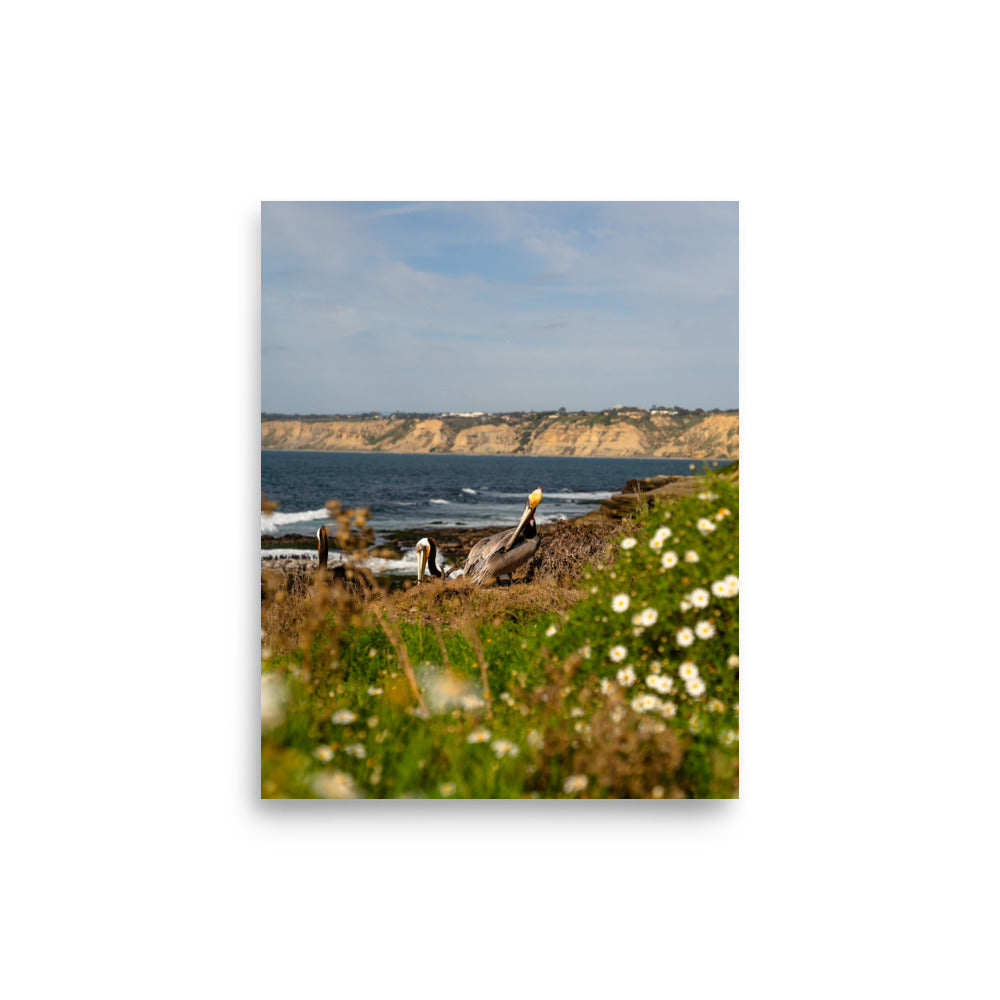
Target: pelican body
(506, 551)
(427, 559)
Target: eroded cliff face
(712, 435)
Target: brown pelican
(502, 553)
(353, 579)
(427, 559)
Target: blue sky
(494, 306)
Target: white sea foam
(465, 489)
(440, 501)
(268, 522)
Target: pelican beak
(529, 509)
(421, 564)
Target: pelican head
(426, 558)
(534, 499)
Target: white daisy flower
(720, 588)
(356, 750)
(374, 690)
(620, 603)
(733, 583)
(607, 686)
(661, 535)
(714, 705)
(323, 753)
(704, 630)
(343, 717)
(470, 702)
(723, 513)
(708, 495)
(655, 666)
(334, 786)
(695, 686)
(535, 739)
(626, 676)
(660, 682)
(447, 789)
(576, 712)
(733, 661)
(551, 630)
(668, 710)
(645, 703)
(687, 671)
(628, 543)
(617, 654)
(685, 636)
(648, 616)
(575, 783)
(478, 736)
(728, 738)
(699, 598)
(705, 526)
(668, 560)
(504, 748)
(616, 714)
(685, 605)
(691, 556)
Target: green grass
(346, 720)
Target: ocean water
(418, 493)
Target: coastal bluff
(617, 433)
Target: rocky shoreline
(454, 543)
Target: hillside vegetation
(625, 433)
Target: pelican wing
(487, 560)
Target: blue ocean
(419, 493)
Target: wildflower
(733, 661)
(704, 630)
(714, 705)
(723, 513)
(535, 739)
(685, 636)
(708, 495)
(576, 712)
(470, 702)
(668, 560)
(660, 682)
(504, 748)
(645, 702)
(626, 677)
(694, 724)
(691, 556)
(699, 598)
(628, 543)
(662, 534)
(343, 717)
(685, 605)
(668, 710)
(655, 666)
(334, 786)
(695, 687)
(585, 650)
(356, 750)
(575, 783)
(606, 686)
(619, 603)
(687, 670)
(272, 700)
(323, 753)
(478, 736)
(705, 526)
(447, 789)
(616, 714)
(720, 589)
(551, 630)
(648, 616)
(733, 582)
(374, 691)
(617, 654)
(728, 738)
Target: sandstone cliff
(609, 434)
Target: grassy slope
(553, 692)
